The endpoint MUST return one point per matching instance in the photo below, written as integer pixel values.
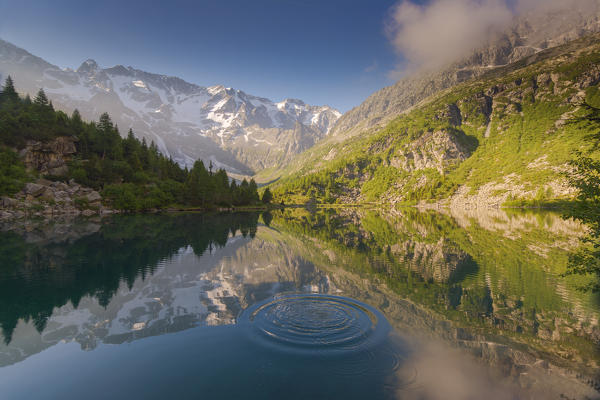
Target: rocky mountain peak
(89, 66)
(235, 130)
(120, 70)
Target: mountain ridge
(235, 130)
(533, 31)
(499, 139)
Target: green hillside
(500, 139)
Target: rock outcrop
(436, 150)
(44, 198)
(49, 158)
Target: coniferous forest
(129, 173)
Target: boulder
(7, 202)
(48, 194)
(61, 186)
(44, 182)
(33, 189)
(61, 195)
(94, 197)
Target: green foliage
(575, 68)
(383, 179)
(12, 172)
(585, 176)
(267, 196)
(131, 175)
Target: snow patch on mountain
(241, 132)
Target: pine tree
(8, 92)
(267, 196)
(197, 185)
(243, 197)
(41, 99)
(105, 123)
(76, 119)
(222, 189)
(253, 192)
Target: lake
(297, 304)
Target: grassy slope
(523, 133)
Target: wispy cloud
(372, 67)
(432, 35)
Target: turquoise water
(333, 304)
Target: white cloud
(444, 30)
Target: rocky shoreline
(44, 198)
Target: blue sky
(323, 52)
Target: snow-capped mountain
(235, 130)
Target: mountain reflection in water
(475, 301)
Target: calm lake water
(346, 304)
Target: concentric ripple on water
(317, 322)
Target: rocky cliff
(535, 30)
(49, 158)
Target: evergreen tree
(41, 99)
(76, 118)
(253, 192)
(267, 196)
(223, 193)
(105, 123)
(243, 197)
(8, 92)
(197, 185)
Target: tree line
(130, 173)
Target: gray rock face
(49, 158)
(234, 130)
(536, 30)
(436, 150)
